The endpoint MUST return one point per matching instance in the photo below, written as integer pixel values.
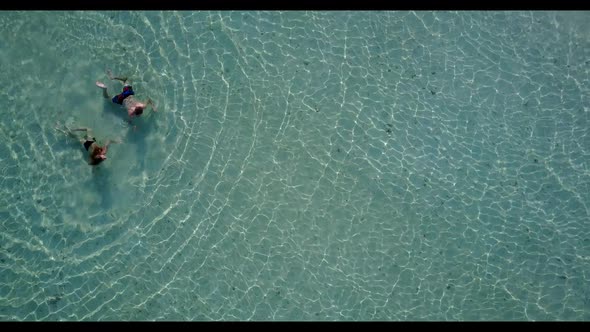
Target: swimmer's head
(138, 110)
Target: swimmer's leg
(71, 132)
(104, 89)
(110, 74)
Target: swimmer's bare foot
(100, 85)
(58, 124)
(57, 127)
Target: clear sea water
(301, 166)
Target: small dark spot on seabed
(433, 72)
(54, 300)
(433, 93)
(562, 277)
(536, 160)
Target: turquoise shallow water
(302, 166)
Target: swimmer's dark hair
(138, 110)
(94, 156)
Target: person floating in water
(134, 107)
(96, 153)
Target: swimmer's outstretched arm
(150, 102)
(109, 142)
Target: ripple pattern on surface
(303, 166)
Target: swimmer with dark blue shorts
(134, 107)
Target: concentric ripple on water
(302, 166)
